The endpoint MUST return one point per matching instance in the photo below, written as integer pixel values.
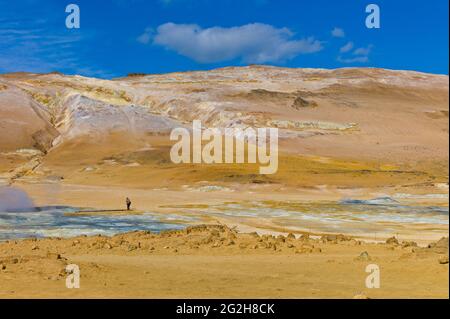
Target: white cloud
(363, 51)
(253, 43)
(146, 37)
(359, 59)
(338, 33)
(359, 55)
(346, 48)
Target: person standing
(128, 202)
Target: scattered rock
(215, 233)
(231, 236)
(243, 245)
(443, 260)
(354, 242)
(364, 256)
(406, 244)
(300, 102)
(53, 278)
(304, 237)
(440, 247)
(392, 241)
(291, 236)
(280, 238)
(54, 256)
(132, 247)
(343, 238)
(442, 243)
(360, 296)
(329, 239)
(216, 244)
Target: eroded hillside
(375, 126)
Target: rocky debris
(440, 247)
(360, 296)
(335, 238)
(304, 238)
(354, 242)
(281, 239)
(443, 260)
(308, 249)
(51, 255)
(364, 256)
(132, 247)
(392, 241)
(300, 103)
(75, 242)
(25, 169)
(442, 243)
(230, 243)
(407, 244)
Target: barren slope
(382, 120)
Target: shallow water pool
(53, 222)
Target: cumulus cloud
(253, 43)
(338, 33)
(363, 51)
(346, 48)
(359, 55)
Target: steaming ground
(14, 199)
(348, 138)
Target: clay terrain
(363, 158)
(216, 261)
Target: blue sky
(118, 37)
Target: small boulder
(132, 247)
(442, 243)
(443, 260)
(329, 239)
(290, 236)
(406, 244)
(392, 241)
(280, 238)
(304, 237)
(364, 256)
(55, 256)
